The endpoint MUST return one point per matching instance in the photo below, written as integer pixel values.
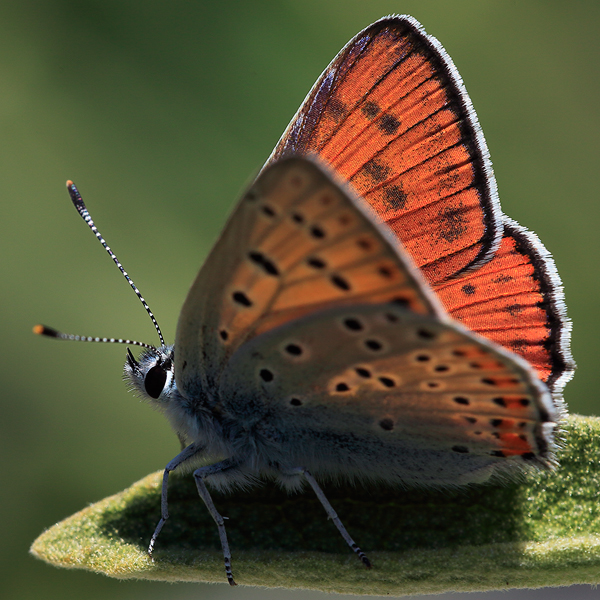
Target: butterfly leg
(184, 455)
(333, 516)
(199, 475)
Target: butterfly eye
(155, 380)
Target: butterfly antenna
(85, 215)
(53, 333)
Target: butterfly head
(152, 374)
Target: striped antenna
(85, 215)
(53, 333)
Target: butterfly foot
(150, 550)
(228, 572)
(362, 556)
(365, 561)
(154, 538)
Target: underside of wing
(297, 243)
(376, 390)
(391, 115)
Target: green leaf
(543, 531)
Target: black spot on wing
(394, 197)
(502, 279)
(340, 282)
(374, 345)
(336, 108)
(514, 309)
(353, 324)
(388, 124)
(376, 170)
(241, 298)
(370, 109)
(316, 263)
(268, 210)
(266, 375)
(386, 424)
(518, 344)
(387, 382)
(293, 349)
(453, 224)
(268, 266)
(317, 232)
(426, 334)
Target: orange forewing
(392, 117)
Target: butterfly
(368, 313)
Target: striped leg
(199, 475)
(333, 516)
(184, 455)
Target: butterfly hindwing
(390, 114)
(379, 391)
(297, 243)
(516, 300)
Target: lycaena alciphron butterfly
(368, 312)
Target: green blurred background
(161, 112)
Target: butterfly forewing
(396, 381)
(297, 243)
(390, 114)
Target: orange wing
(391, 115)
(516, 300)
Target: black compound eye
(155, 380)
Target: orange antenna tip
(43, 330)
(69, 183)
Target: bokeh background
(161, 112)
